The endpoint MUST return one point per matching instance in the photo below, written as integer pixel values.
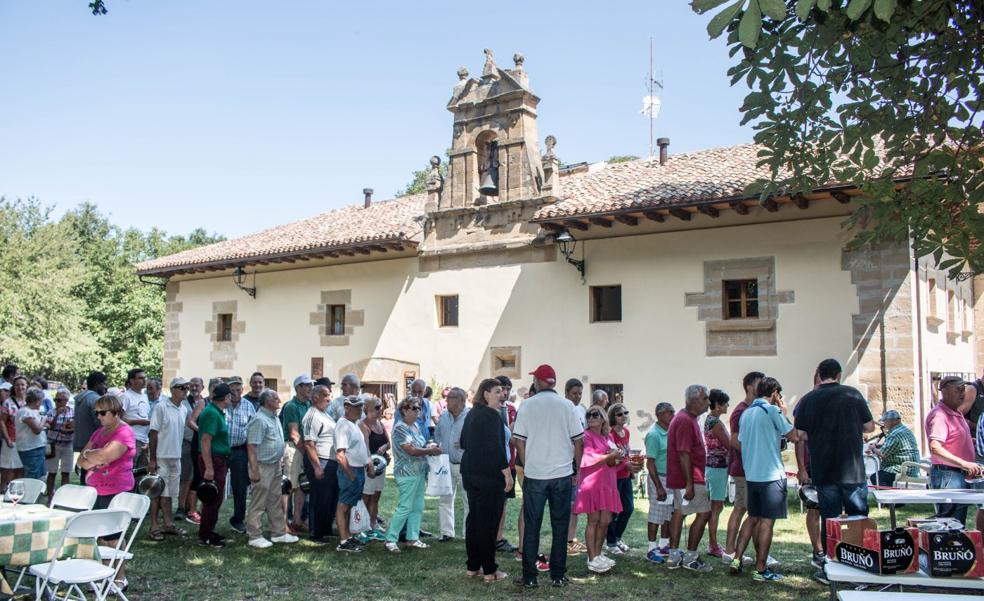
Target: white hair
(351, 379)
(694, 392)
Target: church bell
(488, 186)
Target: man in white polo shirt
(549, 440)
(167, 424)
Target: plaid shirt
(900, 445)
(238, 417)
(265, 432)
(56, 426)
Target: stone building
(638, 278)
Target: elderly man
(239, 414)
(550, 441)
(418, 390)
(350, 387)
(686, 460)
(320, 466)
(898, 447)
(167, 424)
(832, 419)
(448, 436)
(951, 447)
(660, 511)
(600, 398)
(352, 455)
(154, 391)
(290, 417)
(213, 461)
(265, 451)
(256, 387)
(136, 412)
(763, 425)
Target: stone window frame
(500, 355)
(223, 353)
(354, 318)
(744, 300)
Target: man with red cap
(549, 441)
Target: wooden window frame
(744, 300)
(596, 295)
(330, 328)
(224, 327)
(443, 314)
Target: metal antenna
(648, 107)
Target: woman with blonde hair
(378, 442)
(597, 491)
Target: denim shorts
(33, 461)
(350, 491)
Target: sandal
(156, 535)
(471, 573)
(173, 530)
(499, 575)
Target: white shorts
(293, 465)
(63, 461)
(374, 485)
(701, 503)
(9, 459)
(170, 471)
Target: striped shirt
(238, 417)
(56, 426)
(900, 445)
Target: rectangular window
(336, 320)
(225, 327)
(317, 367)
(606, 303)
(951, 311)
(932, 298)
(614, 392)
(447, 311)
(740, 299)
(270, 383)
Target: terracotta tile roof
(688, 178)
(384, 221)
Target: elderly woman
(618, 418)
(378, 440)
(108, 458)
(486, 478)
(31, 438)
(10, 463)
(61, 427)
(410, 451)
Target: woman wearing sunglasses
(597, 491)
(410, 453)
(618, 417)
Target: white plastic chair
(48, 577)
(74, 497)
(138, 506)
(32, 490)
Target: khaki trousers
(265, 497)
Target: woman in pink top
(597, 492)
(618, 417)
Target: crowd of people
(313, 464)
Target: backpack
(974, 414)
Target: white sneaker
(726, 559)
(772, 563)
(598, 565)
(624, 547)
(606, 559)
(260, 543)
(286, 537)
(392, 547)
(614, 549)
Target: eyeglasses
(185, 388)
(621, 414)
(594, 416)
(104, 412)
(414, 407)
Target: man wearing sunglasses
(167, 424)
(951, 447)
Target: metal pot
(207, 491)
(808, 494)
(303, 483)
(285, 486)
(379, 464)
(151, 485)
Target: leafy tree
(622, 158)
(418, 185)
(883, 93)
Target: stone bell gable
(496, 177)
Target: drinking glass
(15, 491)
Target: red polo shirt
(684, 435)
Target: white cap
(302, 379)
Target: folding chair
(32, 490)
(138, 506)
(50, 576)
(74, 497)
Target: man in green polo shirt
(290, 417)
(213, 459)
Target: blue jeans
(536, 494)
(944, 478)
(620, 520)
(834, 499)
(33, 461)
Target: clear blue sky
(238, 115)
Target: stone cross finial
(489, 71)
(463, 73)
(518, 59)
(434, 180)
(550, 142)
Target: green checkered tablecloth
(34, 537)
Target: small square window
(317, 367)
(606, 303)
(740, 299)
(270, 383)
(225, 327)
(447, 311)
(336, 320)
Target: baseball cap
(948, 380)
(220, 391)
(175, 382)
(6, 386)
(234, 380)
(302, 379)
(891, 414)
(545, 373)
(354, 401)
(325, 381)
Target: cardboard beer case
(951, 553)
(857, 542)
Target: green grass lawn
(179, 569)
